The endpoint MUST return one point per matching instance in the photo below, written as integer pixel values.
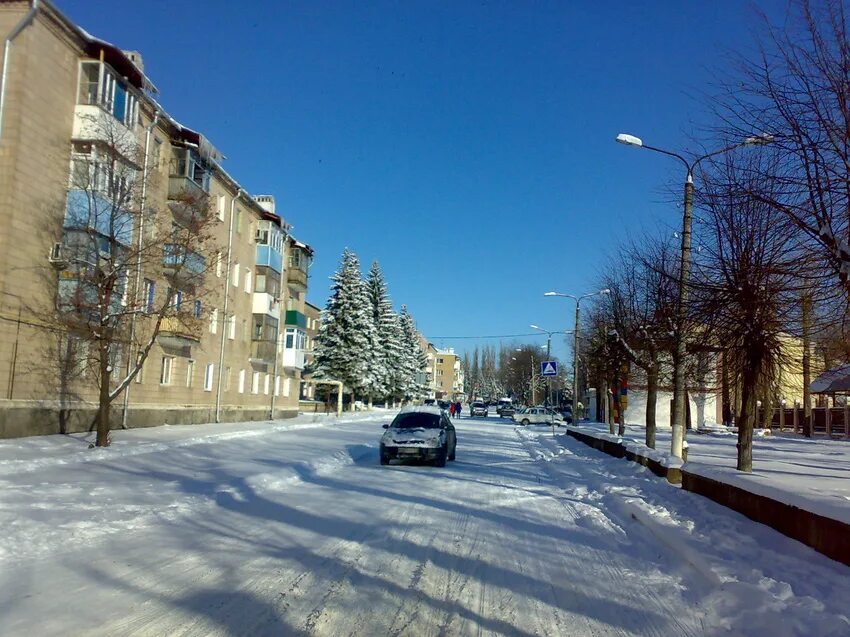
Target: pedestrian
(458, 408)
(452, 410)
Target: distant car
(443, 404)
(505, 410)
(429, 401)
(419, 433)
(479, 409)
(537, 416)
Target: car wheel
(525, 422)
(441, 458)
(385, 459)
(454, 450)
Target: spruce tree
(386, 347)
(414, 359)
(342, 348)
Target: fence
(825, 421)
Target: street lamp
(678, 433)
(578, 300)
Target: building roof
(832, 381)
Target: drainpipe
(239, 192)
(139, 246)
(27, 19)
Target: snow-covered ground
(294, 528)
(809, 473)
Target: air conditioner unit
(57, 256)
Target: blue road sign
(549, 368)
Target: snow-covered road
(300, 531)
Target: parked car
(505, 410)
(537, 416)
(419, 433)
(479, 409)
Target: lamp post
(679, 410)
(578, 300)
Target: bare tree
(797, 90)
(747, 280)
(112, 238)
(639, 312)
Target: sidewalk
(811, 474)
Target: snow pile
(745, 578)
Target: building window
(208, 377)
(199, 309)
(266, 383)
(237, 221)
(214, 321)
(218, 262)
(231, 327)
(150, 295)
(190, 373)
(286, 383)
(248, 281)
(176, 301)
(246, 334)
(226, 379)
(241, 387)
(165, 373)
(219, 210)
(235, 275)
(140, 375)
(255, 383)
(277, 385)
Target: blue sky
(467, 146)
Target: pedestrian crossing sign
(549, 368)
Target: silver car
(538, 416)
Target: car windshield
(477, 404)
(416, 421)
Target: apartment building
(79, 121)
(314, 317)
(445, 373)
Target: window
(246, 334)
(199, 309)
(218, 263)
(209, 373)
(231, 327)
(219, 210)
(248, 281)
(277, 385)
(227, 379)
(176, 297)
(290, 338)
(156, 154)
(237, 221)
(165, 373)
(439, 361)
(149, 295)
(266, 384)
(234, 278)
(140, 375)
(286, 383)
(241, 381)
(190, 372)
(214, 321)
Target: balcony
(263, 352)
(264, 303)
(296, 318)
(183, 188)
(293, 358)
(270, 258)
(93, 124)
(297, 277)
(180, 332)
(177, 260)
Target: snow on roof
(832, 381)
(421, 409)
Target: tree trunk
(746, 420)
(651, 398)
(807, 373)
(725, 398)
(103, 400)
